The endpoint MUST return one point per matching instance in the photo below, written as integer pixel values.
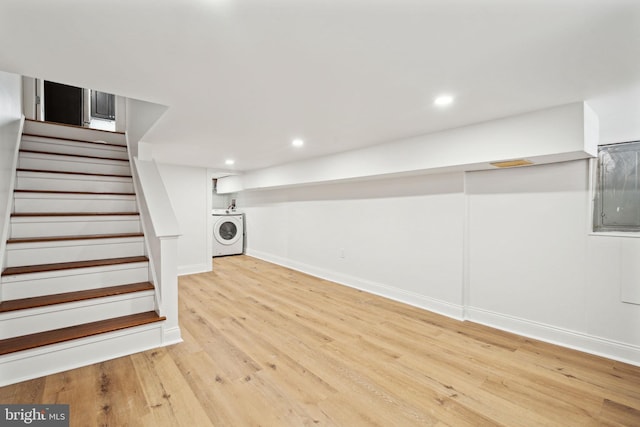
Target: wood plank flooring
(267, 346)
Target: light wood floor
(268, 346)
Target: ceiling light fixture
(443, 100)
(229, 162)
(297, 142)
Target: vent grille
(512, 163)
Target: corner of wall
(591, 130)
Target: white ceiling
(243, 78)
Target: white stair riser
(71, 147)
(70, 164)
(29, 364)
(73, 226)
(21, 254)
(57, 282)
(85, 204)
(31, 321)
(54, 130)
(57, 182)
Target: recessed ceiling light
(229, 162)
(297, 142)
(443, 100)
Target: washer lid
(228, 230)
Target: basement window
(617, 198)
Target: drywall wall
(10, 129)
(612, 280)
(534, 267)
(618, 113)
(527, 240)
(141, 116)
(396, 237)
(187, 188)
(556, 134)
(508, 248)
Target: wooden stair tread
(72, 126)
(41, 214)
(75, 192)
(73, 173)
(72, 265)
(67, 238)
(26, 342)
(74, 155)
(86, 141)
(46, 300)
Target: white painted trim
(445, 308)
(466, 256)
(121, 113)
(40, 92)
(171, 336)
(12, 184)
(193, 269)
(210, 175)
(29, 93)
(623, 234)
(145, 224)
(29, 364)
(560, 336)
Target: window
(617, 201)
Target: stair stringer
(4, 231)
(160, 239)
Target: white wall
(535, 268)
(141, 116)
(10, 122)
(509, 248)
(612, 266)
(400, 237)
(527, 240)
(188, 188)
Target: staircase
(75, 289)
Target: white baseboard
(563, 337)
(552, 334)
(171, 336)
(431, 304)
(183, 270)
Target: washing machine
(228, 232)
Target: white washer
(228, 233)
